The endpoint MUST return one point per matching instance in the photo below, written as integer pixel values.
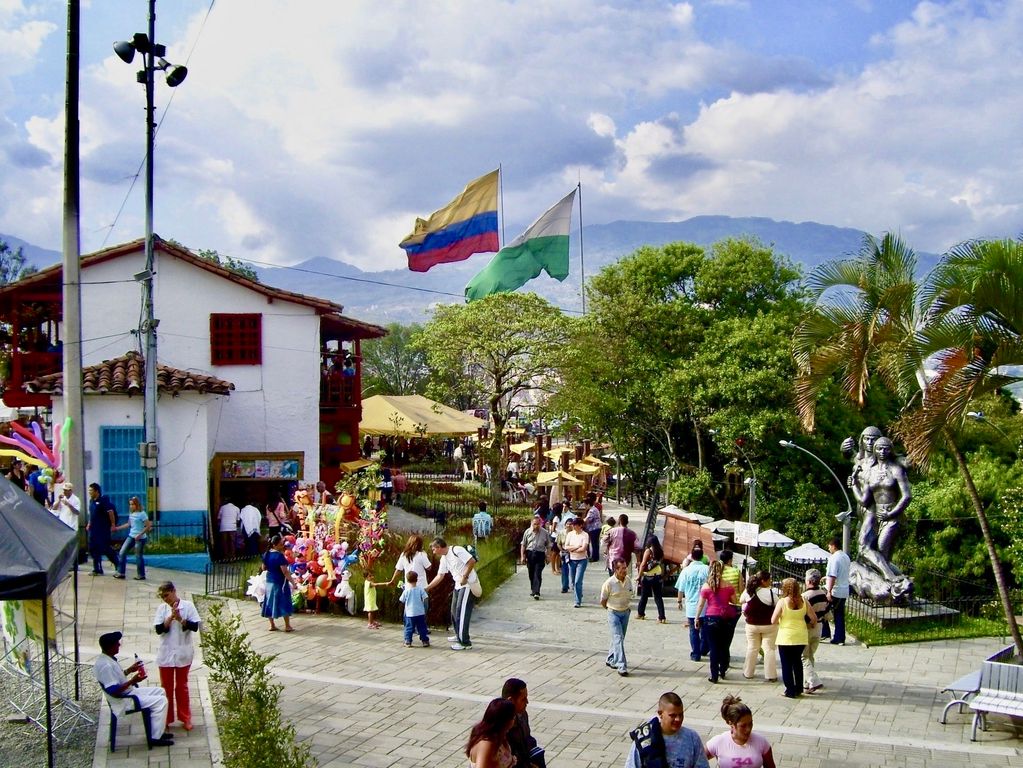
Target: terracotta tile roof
(126, 375)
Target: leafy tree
(679, 342)
(228, 262)
(866, 326)
(975, 334)
(222, 260)
(392, 365)
(12, 264)
(880, 321)
(502, 346)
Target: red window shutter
(236, 339)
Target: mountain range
(401, 296)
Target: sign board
(747, 533)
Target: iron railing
(230, 577)
(938, 609)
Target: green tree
(392, 365)
(879, 321)
(12, 264)
(866, 325)
(679, 342)
(228, 262)
(503, 346)
(974, 335)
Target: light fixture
(125, 51)
(176, 74)
(141, 277)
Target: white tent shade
(720, 526)
(771, 538)
(807, 553)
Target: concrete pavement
(358, 697)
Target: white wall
(274, 406)
(182, 425)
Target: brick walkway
(360, 698)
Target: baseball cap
(109, 638)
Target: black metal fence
(230, 577)
(197, 530)
(941, 607)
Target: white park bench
(1001, 691)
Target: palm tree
(867, 324)
(973, 335)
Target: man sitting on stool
(119, 687)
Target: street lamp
(979, 416)
(843, 517)
(152, 54)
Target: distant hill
(34, 255)
(402, 296)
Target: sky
(318, 128)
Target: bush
(246, 699)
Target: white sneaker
(460, 647)
(452, 638)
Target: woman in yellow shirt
(792, 615)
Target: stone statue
(881, 486)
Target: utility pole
(152, 58)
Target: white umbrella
(696, 517)
(671, 509)
(720, 526)
(771, 538)
(807, 553)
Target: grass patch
(175, 545)
(925, 630)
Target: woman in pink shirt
(740, 747)
(717, 596)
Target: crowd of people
(784, 625)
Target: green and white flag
(542, 247)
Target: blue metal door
(121, 474)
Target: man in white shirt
(119, 688)
(67, 506)
(250, 521)
(228, 518)
(838, 588)
(461, 565)
(616, 595)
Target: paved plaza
(360, 698)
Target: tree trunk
(985, 529)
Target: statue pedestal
(889, 616)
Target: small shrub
(246, 698)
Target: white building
(249, 395)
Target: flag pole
(500, 195)
(582, 257)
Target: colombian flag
(466, 225)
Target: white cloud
(322, 129)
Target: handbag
(476, 588)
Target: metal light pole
(152, 54)
(844, 517)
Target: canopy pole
(46, 683)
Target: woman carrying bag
(651, 579)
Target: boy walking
(415, 600)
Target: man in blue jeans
(838, 588)
(689, 583)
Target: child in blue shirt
(415, 600)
